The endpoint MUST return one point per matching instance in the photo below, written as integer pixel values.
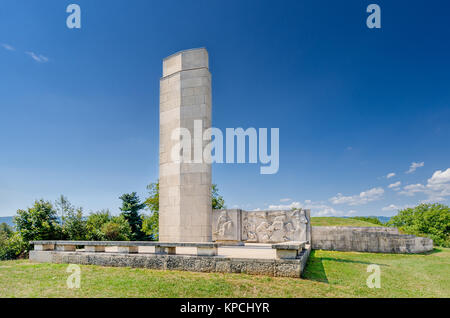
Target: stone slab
(126, 243)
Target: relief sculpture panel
(261, 226)
(276, 226)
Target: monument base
(230, 243)
(193, 263)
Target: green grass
(328, 274)
(334, 221)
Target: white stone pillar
(184, 188)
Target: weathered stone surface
(127, 249)
(94, 248)
(271, 267)
(261, 226)
(289, 245)
(165, 250)
(125, 243)
(227, 226)
(44, 247)
(185, 187)
(206, 251)
(367, 239)
(67, 248)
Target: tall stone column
(185, 210)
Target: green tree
(38, 222)
(217, 200)
(75, 226)
(94, 224)
(431, 220)
(117, 229)
(63, 207)
(150, 225)
(131, 205)
(6, 230)
(101, 226)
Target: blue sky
(80, 108)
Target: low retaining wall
(367, 239)
(270, 267)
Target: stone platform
(253, 259)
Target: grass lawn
(328, 274)
(334, 221)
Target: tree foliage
(12, 247)
(94, 224)
(39, 222)
(63, 207)
(6, 230)
(131, 205)
(116, 229)
(74, 225)
(217, 200)
(431, 220)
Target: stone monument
(235, 225)
(185, 210)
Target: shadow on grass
(433, 251)
(314, 269)
(338, 260)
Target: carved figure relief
(275, 226)
(224, 226)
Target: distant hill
(7, 219)
(336, 221)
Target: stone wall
(209, 264)
(367, 239)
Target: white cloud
(393, 207)
(359, 199)
(317, 208)
(414, 166)
(293, 205)
(394, 185)
(285, 200)
(7, 47)
(440, 177)
(436, 189)
(38, 58)
(390, 175)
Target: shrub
(117, 229)
(101, 226)
(6, 229)
(38, 222)
(12, 247)
(431, 220)
(94, 224)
